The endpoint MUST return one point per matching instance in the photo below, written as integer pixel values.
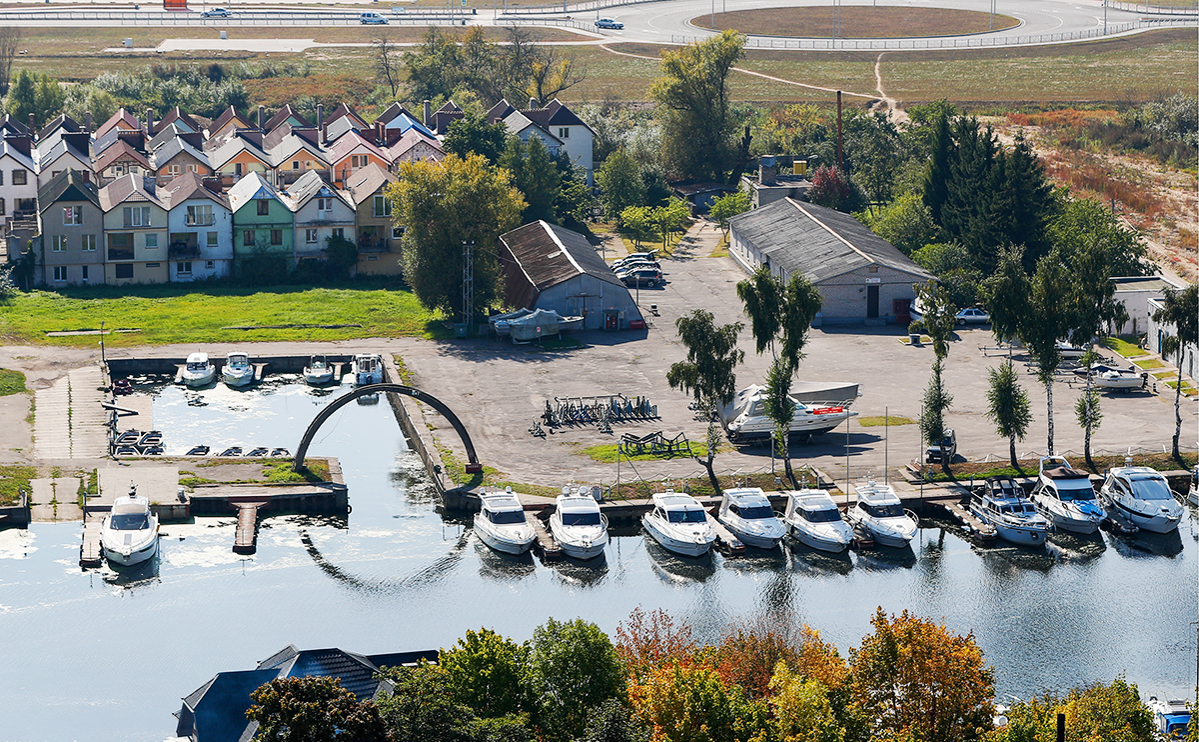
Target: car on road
(650, 277)
(932, 454)
(972, 316)
(609, 24)
(371, 18)
(217, 13)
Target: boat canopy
(197, 359)
(1150, 485)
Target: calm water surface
(98, 655)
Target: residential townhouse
(200, 228)
(182, 154)
(71, 224)
(61, 152)
(263, 222)
(379, 240)
(122, 157)
(321, 212)
(294, 151)
(238, 155)
(18, 178)
(135, 232)
(351, 153)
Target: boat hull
(238, 379)
(821, 541)
(750, 538)
(575, 547)
(193, 379)
(508, 544)
(672, 544)
(1156, 523)
(1071, 524)
(580, 551)
(120, 557)
(318, 378)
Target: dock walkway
(70, 423)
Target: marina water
(100, 655)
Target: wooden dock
(546, 546)
(91, 552)
(725, 540)
(982, 532)
(246, 539)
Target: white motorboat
(1142, 496)
(318, 371)
(198, 371)
(1066, 349)
(578, 525)
(501, 523)
(1170, 718)
(1112, 377)
(1002, 504)
(680, 524)
(879, 511)
(130, 530)
(237, 371)
(1193, 491)
(745, 417)
(747, 513)
(812, 518)
(367, 369)
(1065, 497)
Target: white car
(372, 18)
(972, 316)
(217, 13)
(609, 24)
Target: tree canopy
(313, 709)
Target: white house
(555, 124)
(18, 178)
(321, 212)
(200, 227)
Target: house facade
(321, 212)
(263, 222)
(71, 223)
(135, 232)
(379, 239)
(18, 178)
(200, 227)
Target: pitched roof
(410, 139)
(68, 185)
(9, 125)
(178, 117)
(165, 134)
(120, 149)
(366, 182)
(8, 149)
(227, 117)
(126, 189)
(234, 145)
(555, 113)
(518, 122)
(122, 119)
(252, 186)
(61, 121)
(219, 706)
(335, 129)
(345, 110)
(405, 123)
(310, 185)
(286, 114)
(355, 671)
(395, 109)
(497, 112)
(172, 149)
(547, 255)
(60, 146)
(351, 142)
(819, 242)
(188, 186)
(286, 147)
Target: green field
(13, 479)
(179, 314)
(11, 382)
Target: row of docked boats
(238, 372)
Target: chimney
(427, 112)
(768, 171)
(380, 133)
(213, 184)
(22, 143)
(149, 122)
(532, 103)
(87, 121)
(261, 118)
(320, 116)
(32, 125)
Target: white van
(371, 18)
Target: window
(324, 204)
(295, 165)
(193, 169)
(152, 242)
(1, 177)
(60, 273)
(183, 269)
(264, 207)
(54, 172)
(370, 258)
(72, 215)
(276, 236)
(237, 171)
(153, 265)
(89, 243)
(210, 264)
(19, 177)
(310, 236)
(83, 273)
(397, 233)
(136, 216)
(872, 269)
(247, 238)
(357, 161)
(200, 216)
(214, 239)
(563, 132)
(382, 206)
(123, 270)
(339, 232)
(2, 212)
(58, 243)
(173, 170)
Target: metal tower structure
(468, 284)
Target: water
(95, 652)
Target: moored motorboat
(813, 519)
(258, 452)
(129, 533)
(880, 512)
(198, 451)
(1170, 718)
(1001, 503)
(679, 523)
(1142, 496)
(280, 453)
(745, 418)
(746, 512)
(1112, 377)
(318, 371)
(367, 368)
(229, 452)
(198, 370)
(578, 526)
(1065, 497)
(237, 371)
(1193, 490)
(501, 523)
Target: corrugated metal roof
(819, 242)
(548, 255)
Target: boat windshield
(689, 516)
(821, 516)
(130, 522)
(507, 517)
(580, 519)
(756, 512)
(197, 366)
(885, 511)
(1151, 488)
(1081, 493)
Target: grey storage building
(550, 267)
(862, 277)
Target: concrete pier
(246, 539)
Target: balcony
(120, 253)
(368, 243)
(181, 249)
(200, 221)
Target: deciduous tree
(907, 223)
(387, 67)
(728, 206)
(484, 671)
(536, 176)
(831, 187)
(572, 668)
(422, 707)
(1180, 310)
(620, 183)
(1090, 415)
(802, 710)
(647, 641)
(10, 42)
(691, 704)
(313, 709)
(1008, 407)
(611, 721)
(1112, 713)
(471, 134)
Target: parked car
(950, 442)
(634, 257)
(636, 264)
(609, 24)
(371, 18)
(217, 13)
(650, 277)
(972, 316)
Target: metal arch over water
(473, 465)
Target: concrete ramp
(68, 421)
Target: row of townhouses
(184, 198)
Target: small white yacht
(1193, 491)
(1002, 504)
(1142, 496)
(367, 369)
(237, 371)
(578, 525)
(130, 530)
(501, 523)
(318, 371)
(1113, 377)
(198, 371)
(680, 524)
(747, 513)
(1065, 497)
(745, 418)
(880, 512)
(812, 518)
(1171, 717)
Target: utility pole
(468, 284)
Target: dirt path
(894, 112)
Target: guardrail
(564, 7)
(1152, 9)
(569, 22)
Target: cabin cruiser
(578, 525)
(812, 518)
(237, 371)
(880, 512)
(745, 417)
(130, 531)
(679, 523)
(747, 513)
(1193, 491)
(1170, 718)
(198, 371)
(367, 369)
(1065, 497)
(1112, 377)
(1142, 496)
(1002, 504)
(318, 371)
(501, 523)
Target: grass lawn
(981, 470)
(880, 420)
(1149, 363)
(1187, 389)
(606, 453)
(11, 382)
(181, 314)
(13, 479)
(1125, 346)
(722, 248)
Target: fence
(278, 18)
(1153, 9)
(593, 6)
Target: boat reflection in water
(135, 576)
(817, 563)
(753, 560)
(1146, 544)
(1076, 547)
(887, 557)
(674, 568)
(501, 567)
(581, 573)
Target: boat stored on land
(744, 418)
(880, 512)
(501, 523)
(198, 371)
(1142, 496)
(1113, 377)
(130, 531)
(679, 523)
(237, 371)
(367, 368)
(318, 372)
(578, 525)
(1065, 497)
(747, 513)
(812, 518)
(1001, 504)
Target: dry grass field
(857, 22)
